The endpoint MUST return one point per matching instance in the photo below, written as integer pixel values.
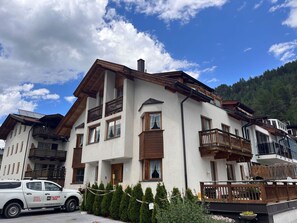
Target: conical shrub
(106, 201)
(98, 200)
(145, 213)
(115, 203)
(125, 204)
(134, 205)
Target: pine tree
(115, 203)
(175, 195)
(125, 204)
(98, 200)
(105, 204)
(145, 213)
(134, 205)
(189, 196)
(91, 198)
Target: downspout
(243, 129)
(184, 140)
(23, 170)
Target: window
(15, 131)
(21, 146)
(113, 128)
(152, 121)
(16, 149)
(225, 128)
(78, 175)
(213, 170)
(20, 129)
(94, 134)
(7, 151)
(205, 123)
(11, 150)
(242, 173)
(8, 169)
(25, 128)
(10, 185)
(79, 140)
(152, 169)
(44, 145)
(51, 187)
(34, 186)
(236, 132)
(230, 172)
(18, 168)
(4, 170)
(12, 171)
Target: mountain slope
(274, 93)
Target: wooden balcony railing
(56, 174)
(248, 192)
(114, 106)
(151, 145)
(95, 114)
(220, 144)
(275, 148)
(44, 132)
(37, 153)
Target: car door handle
(47, 194)
(29, 193)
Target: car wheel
(12, 210)
(71, 205)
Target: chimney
(140, 65)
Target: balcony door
(116, 173)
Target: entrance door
(116, 173)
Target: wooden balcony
(114, 106)
(95, 114)
(47, 154)
(261, 192)
(224, 145)
(151, 145)
(57, 175)
(45, 132)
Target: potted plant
(248, 215)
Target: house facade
(32, 149)
(129, 126)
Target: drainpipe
(244, 127)
(184, 140)
(23, 170)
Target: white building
(128, 126)
(32, 150)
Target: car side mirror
(61, 188)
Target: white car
(17, 195)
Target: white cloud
(169, 10)
(23, 97)
(70, 99)
(284, 51)
(213, 80)
(258, 5)
(291, 20)
(242, 6)
(247, 49)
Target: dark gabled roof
(234, 105)
(94, 80)
(150, 101)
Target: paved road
(50, 216)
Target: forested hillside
(274, 93)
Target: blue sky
(47, 46)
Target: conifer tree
(115, 203)
(98, 200)
(189, 196)
(85, 197)
(145, 213)
(134, 205)
(175, 195)
(105, 204)
(125, 204)
(161, 200)
(91, 198)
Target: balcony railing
(151, 145)
(275, 148)
(37, 153)
(95, 113)
(248, 192)
(215, 142)
(54, 174)
(44, 132)
(114, 106)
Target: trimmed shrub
(161, 200)
(105, 204)
(91, 198)
(175, 195)
(83, 206)
(125, 204)
(189, 196)
(145, 213)
(98, 200)
(134, 205)
(115, 203)
(183, 211)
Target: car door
(53, 194)
(34, 194)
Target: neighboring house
(32, 149)
(129, 126)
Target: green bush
(115, 203)
(161, 200)
(105, 204)
(189, 196)
(134, 205)
(175, 195)
(125, 204)
(83, 206)
(90, 199)
(183, 211)
(145, 213)
(98, 200)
